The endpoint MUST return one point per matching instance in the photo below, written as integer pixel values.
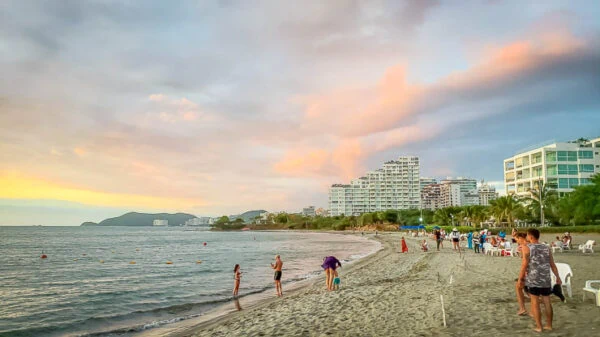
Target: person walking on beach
(237, 276)
(330, 264)
(438, 238)
(455, 237)
(535, 272)
(277, 266)
(404, 246)
(519, 287)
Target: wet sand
(392, 294)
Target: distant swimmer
(277, 266)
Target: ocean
(114, 281)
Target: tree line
(580, 207)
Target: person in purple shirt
(330, 264)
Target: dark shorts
(277, 276)
(455, 240)
(538, 291)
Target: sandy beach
(392, 294)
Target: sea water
(116, 280)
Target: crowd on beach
(537, 263)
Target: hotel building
(395, 185)
(560, 166)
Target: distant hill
(89, 223)
(247, 216)
(142, 219)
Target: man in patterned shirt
(535, 272)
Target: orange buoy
(169, 262)
(132, 262)
(44, 256)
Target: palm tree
(541, 201)
(442, 217)
(505, 208)
(467, 214)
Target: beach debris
(451, 278)
(199, 261)
(75, 259)
(443, 310)
(137, 249)
(132, 262)
(169, 262)
(83, 254)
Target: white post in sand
(443, 310)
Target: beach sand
(393, 294)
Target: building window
(567, 169)
(584, 181)
(552, 183)
(551, 156)
(586, 155)
(563, 183)
(586, 168)
(573, 182)
(551, 170)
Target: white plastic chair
(566, 274)
(567, 246)
(487, 248)
(589, 289)
(587, 247)
(557, 246)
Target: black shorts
(538, 291)
(277, 276)
(454, 240)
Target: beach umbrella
(436, 227)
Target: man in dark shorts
(535, 272)
(277, 277)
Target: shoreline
(227, 311)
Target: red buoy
(44, 256)
(205, 243)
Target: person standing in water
(237, 276)
(277, 277)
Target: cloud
(176, 109)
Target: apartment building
(486, 193)
(396, 185)
(559, 165)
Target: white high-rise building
(560, 166)
(486, 193)
(459, 192)
(394, 186)
(426, 182)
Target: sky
(218, 107)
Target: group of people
(330, 265)
(277, 266)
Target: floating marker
(44, 256)
(199, 261)
(205, 243)
(132, 262)
(169, 262)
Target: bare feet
(522, 313)
(548, 328)
(537, 329)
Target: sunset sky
(218, 107)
